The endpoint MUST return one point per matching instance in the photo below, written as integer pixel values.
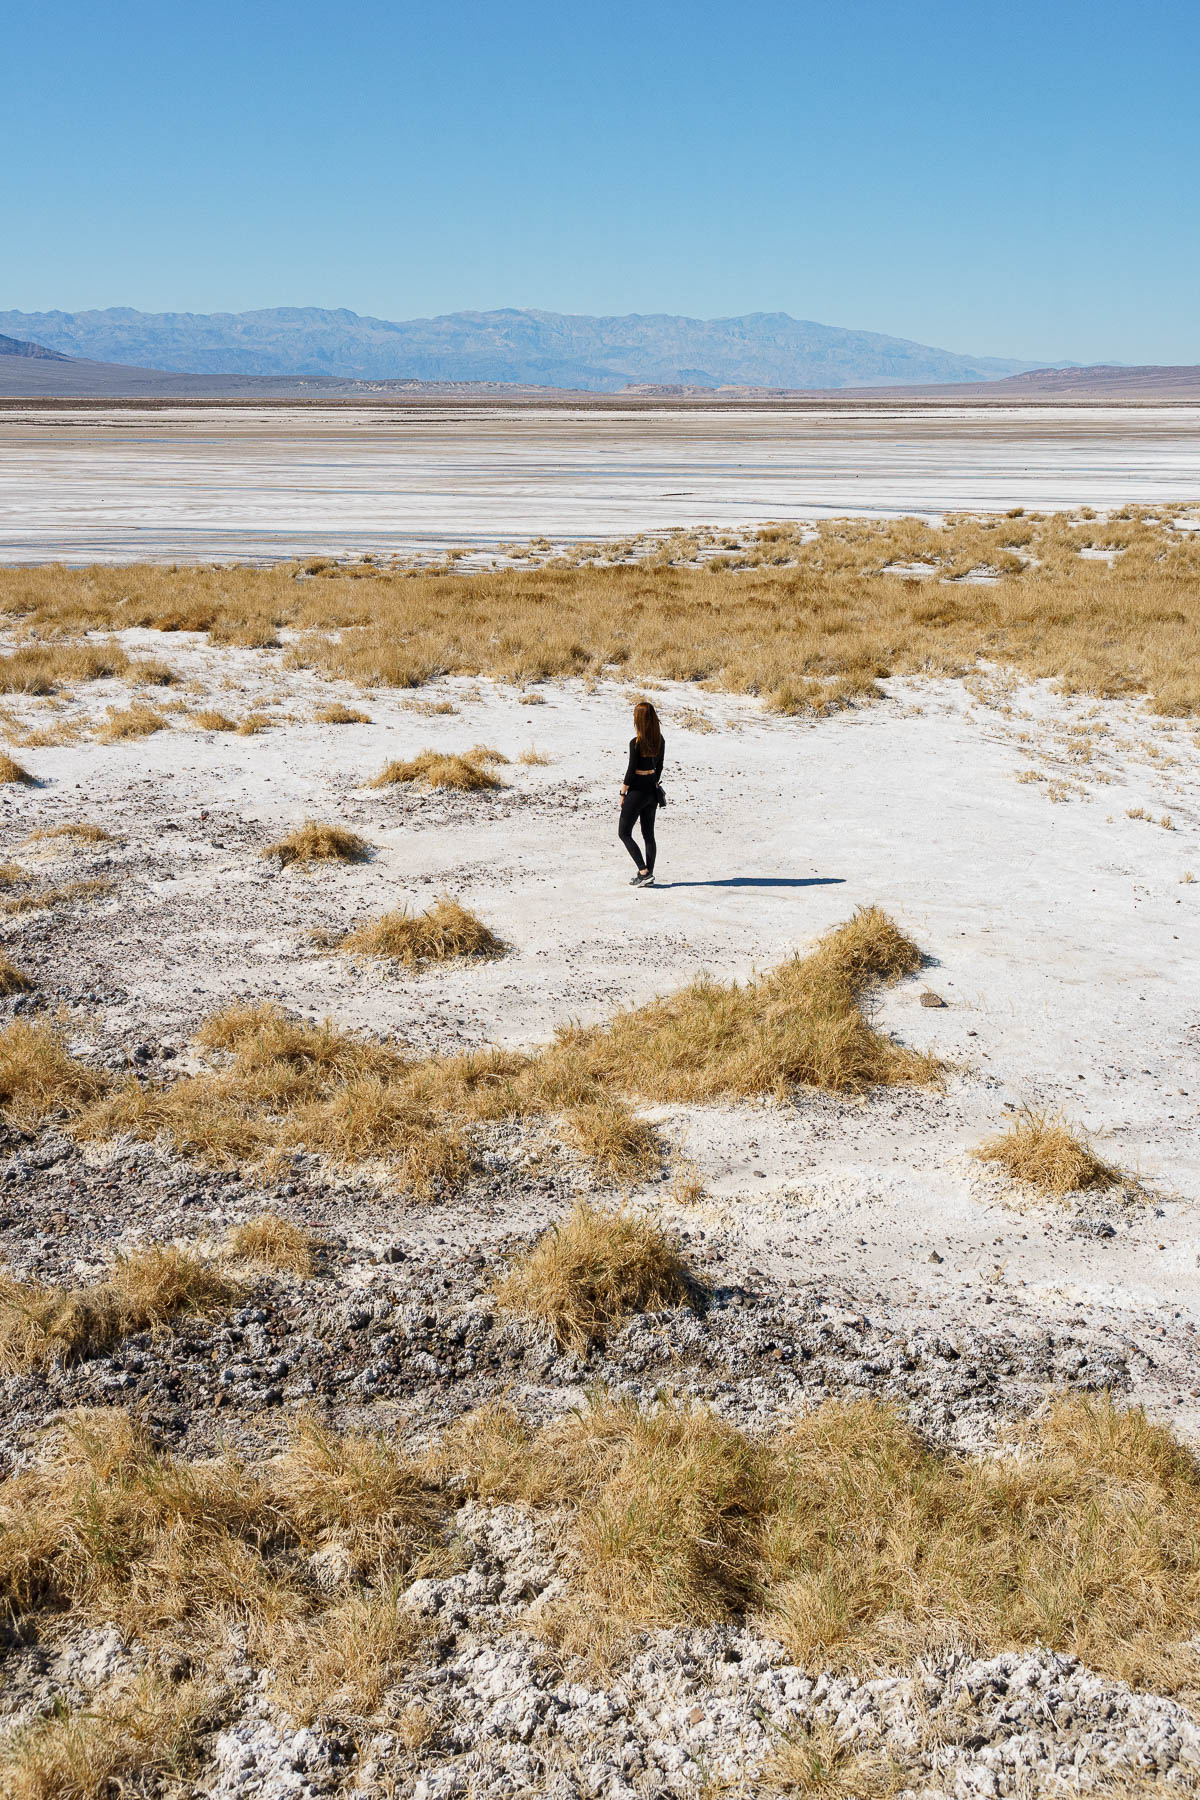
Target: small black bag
(660, 795)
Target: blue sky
(1014, 179)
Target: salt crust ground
(217, 483)
(1062, 936)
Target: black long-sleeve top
(638, 760)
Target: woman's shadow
(761, 881)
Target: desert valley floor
(110, 483)
(1043, 853)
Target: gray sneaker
(645, 881)
(638, 880)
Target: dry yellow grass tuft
(430, 709)
(253, 722)
(534, 758)
(435, 769)
(43, 668)
(292, 1083)
(818, 1764)
(343, 1663)
(133, 722)
(275, 1243)
(41, 1323)
(665, 1508)
(687, 1183)
(209, 719)
(12, 981)
(337, 714)
(1043, 1151)
(588, 1274)
(83, 833)
(618, 1144)
(47, 737)
(42, 898)
(12, 771)
(311, 842)
(877, 1547)
(242, 634)
(799, 1024)
(173, 1548)
(149, 672)
(444, 932)
(39, 1078)
(136, 1741)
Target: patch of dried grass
(618, 1144)
(42, 898)
(430, 709)
(150, 672)
(39, 1078)
(275, 1243)
(136, 1740)
(857, 1543)
(337, 714)
(1042, 1150)
(1088, 1541)
(432, 769)
(801, 1024)
(588, 1274)
(82, 832)
(664, 1507)
(188, 1549)
(687, 1183)
(209, 719)
(132, 722)
(365, 1644)
(444, 932)
(47, 737)
(849, 1537)
(809, 617)
(312, 842)
(290, 1083)
(12, 981)
(44, 668)
(245, 634)
(817, 1764)
(12, 771)
(42, 1322)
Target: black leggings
(639, 809)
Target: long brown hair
(649, 731)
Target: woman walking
(640, 793)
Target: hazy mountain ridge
(22, 347)
(552, 349)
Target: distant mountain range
(560, 350)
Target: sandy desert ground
(1043, 852)
(268, 483)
